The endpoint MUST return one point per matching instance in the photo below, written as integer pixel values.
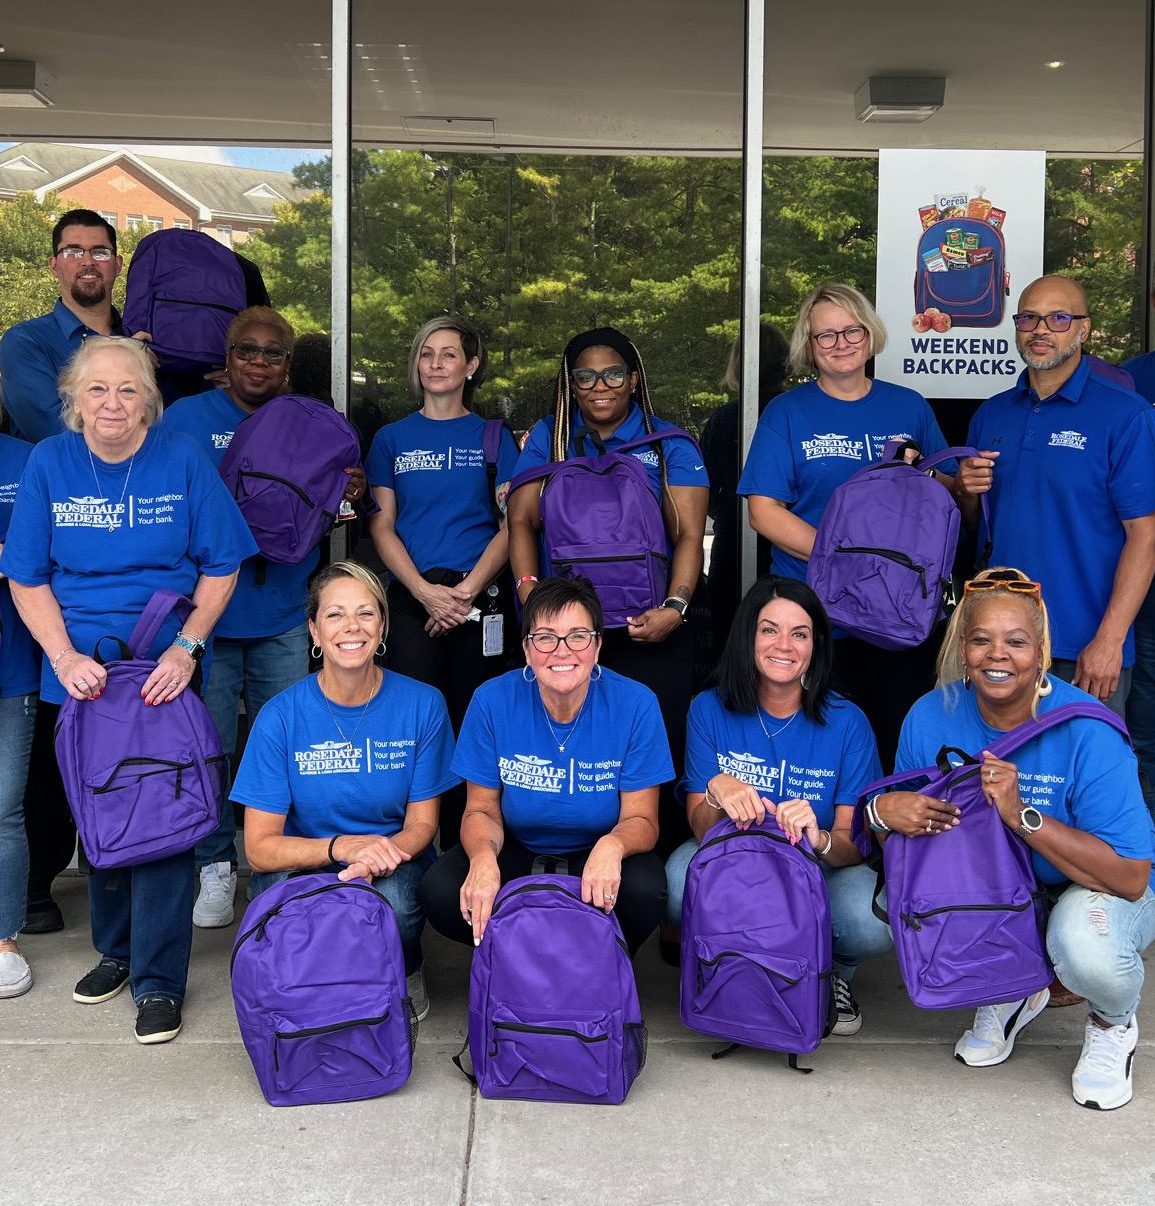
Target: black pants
(884, 683)
(667, 668)
(452, 663)
(640, 905)
(47, 819)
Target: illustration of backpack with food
(961, 277)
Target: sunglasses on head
(1016, 586)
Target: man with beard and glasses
(1069, 460)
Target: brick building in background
(143, 192)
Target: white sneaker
(849, 1015)
(991, 1038)
(15, 974)
(214, 906)
(1102, 1077)
(418, 994)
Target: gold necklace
(332, 715)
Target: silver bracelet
(56, 660)
(829, 844)
(873, 819)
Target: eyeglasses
(1016, 586)
(547, 642)
(828, 339)
(614, 377)
(100, 255)
(250, 351)
(1057, 321)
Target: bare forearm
(686, 566)
(414, 837)
(781, 527)
(1088, 861)
(42, 617)
(210, 599)
(635, 835)
(287, 853)
(395, 555)
(1132, 581)
(481, 835)
(489, 564)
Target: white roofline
(203, 211)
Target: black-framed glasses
(100, 255)
(853, 336)
(547, 642)
(614, 377)
(250, 351)
(1057, 321)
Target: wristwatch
(193, 646)
(1030, 821)
(674, 603)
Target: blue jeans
(142, 918)
(1064, 668)
(858, 934)
(255, 669)
(1096, 942)
(1141, 701)
(399, 889)
(17, 718)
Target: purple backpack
(885, 549)
(601, 521)
(553, 1009)
(756, 940)
(142, 782)
(184, 288)
(319, 988)
(964, 906)
(285, 466)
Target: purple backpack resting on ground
(885, 548)
(285, 466)
(142, 782)
(964, 906)
(756, 940)
(319, 988)
(601, 521)
(184, 288)
(553, 1008)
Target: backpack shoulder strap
(670, 433)
(490, 448)
(156, 611)
(1091, 710)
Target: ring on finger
(930, 827)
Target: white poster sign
(960, 235)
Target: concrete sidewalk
(90, 1116)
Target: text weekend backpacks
(319, 987)
(553, 1008)
(285, 466)
(184, 288)
(963, 906)
(885, 549)
(143, 783)
(601, 521)
(756, 940)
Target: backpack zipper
(554, 888)
(312, 1031)
(164, 766)
(781, 839)
(914, 920)
(791, 981)
(271, 477)
(902, 559)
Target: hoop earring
(528, 674)
(315, 652)
(1044, 686)
(381, 648)
(966, 681)
(802, 680)
(596, 672)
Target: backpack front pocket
(330, 1057)
(140, 801)
(752, 989)
(554, 1058)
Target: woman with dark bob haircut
(562, 762)
(773, 737)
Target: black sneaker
(43, 917)
(105, 980)
(157, 1020)
(849, 1015)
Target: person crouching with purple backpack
(1072, 796)
(773, 737)
(562, 761)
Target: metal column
(341, 136)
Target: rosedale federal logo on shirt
(1069, 439)
(783, 780)
(89, 511)
(426, 460)
(846, 447)
(574, 775)
(221, 439)
(342, 758)
(749, 768)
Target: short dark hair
(554, 595)
(82, 217)
(737, 676)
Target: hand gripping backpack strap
(932, 462)
(156, 611)
(490, 449)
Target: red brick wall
(123, 189)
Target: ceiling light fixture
(899, 98)
(1055, 64)
(24, 85)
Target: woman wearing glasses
(812, 439)
(262, 641)
(1072, 795)
(602, 401)
(562, 761)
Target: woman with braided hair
(602, 403)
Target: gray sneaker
(418, 995)
(214, 906)
(15, 974)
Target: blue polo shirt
(1142, 370)
(270, 597)
(19, 653)
(807, 444)
(1070, 470)
(32, 356)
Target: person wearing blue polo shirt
(1068, 457)
(601, 401)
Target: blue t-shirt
(19, 654)
(1142, 370)
(553, 801)
(807, 444)
(825, 764)
(436, 468)
(1070, 470)
(270, 597)
(32, 356)
(1082, 773)
(106, 536)
(298, 763)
